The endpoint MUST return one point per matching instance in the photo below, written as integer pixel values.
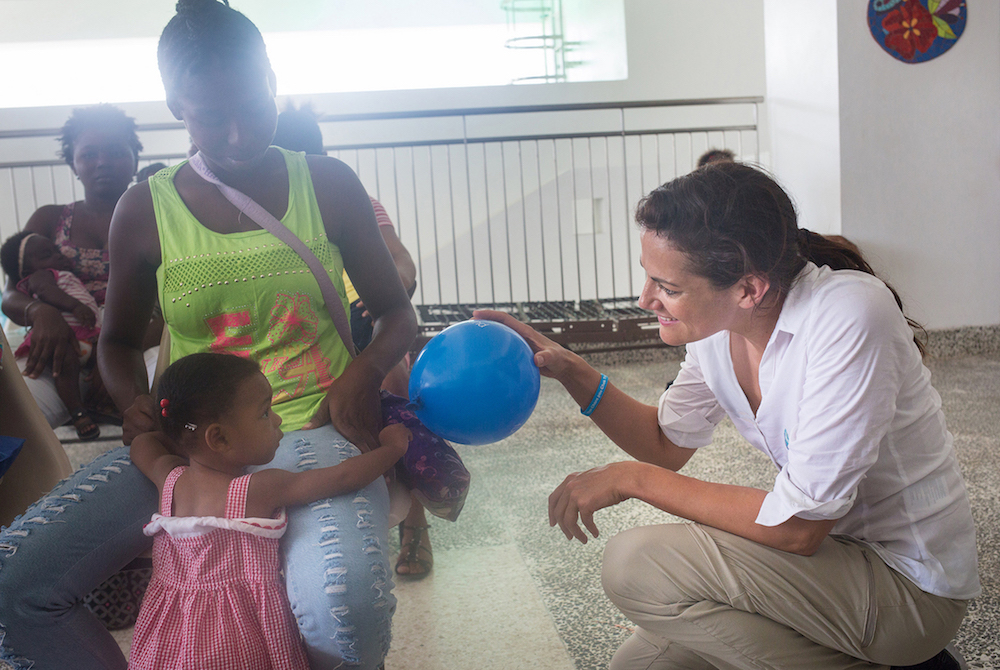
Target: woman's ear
(753, 290)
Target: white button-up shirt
(850, 419)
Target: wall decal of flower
(915, 31)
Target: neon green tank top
(251, 295)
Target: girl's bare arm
(151, 454)
(271, 489)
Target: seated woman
(42, 272)
(863, 553)
(298, 130)
(100, 144)
(226, 285)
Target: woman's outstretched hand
(552, 359)
(583, 493)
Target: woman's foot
(947, 659)
(86, 429)
(415, 558)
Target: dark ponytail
(203, 32)
(839, 253)
(731, 220)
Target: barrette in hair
(164, 404)
(190, 426)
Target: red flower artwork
(910, 29)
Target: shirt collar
(796, 306)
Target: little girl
(40, 270)
(216, 599)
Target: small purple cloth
(431, 468)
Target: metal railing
(528, 209)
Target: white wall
(677, 49)
(920, 152)
(803, 107)
(917, 181)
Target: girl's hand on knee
(395, 438)
(583, 493)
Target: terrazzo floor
(507, 590)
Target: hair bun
(194, 6)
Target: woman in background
(298, 130)
(101, 146)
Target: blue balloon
(475, 382)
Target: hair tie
(804, 239)
(20, 254)
(164, 404)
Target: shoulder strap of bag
(265, 220)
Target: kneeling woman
(864, 550)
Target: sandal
(408, 553)
(86, 429)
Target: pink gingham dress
(216, 600)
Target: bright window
(69, 52)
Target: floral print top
(90, 265)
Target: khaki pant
(703, 598)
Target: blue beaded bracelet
(597, 397)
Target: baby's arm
(42, 283)
(150, 453)
(271, 489)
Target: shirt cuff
(787, 500)
(690, 431)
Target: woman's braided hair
(204, 32)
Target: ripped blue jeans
(90, 526)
